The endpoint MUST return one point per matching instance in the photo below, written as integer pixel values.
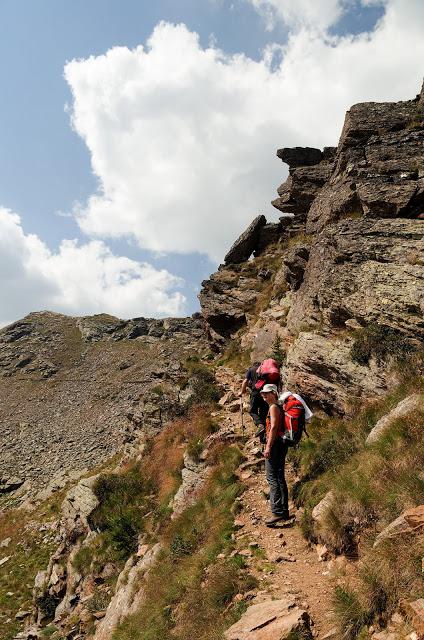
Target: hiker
(258, 407)
(275, 456)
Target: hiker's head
(269, 393)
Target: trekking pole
(241, 413)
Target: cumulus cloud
(310, 13)
(78, 279)
(183, 138)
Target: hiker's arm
(244, 386)
(274, 415)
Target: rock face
(349, 258)
(128, 594)
(271, 620)
(74, 391)
(410, 522)
(406, 406)
(378, 168)
(309, 171)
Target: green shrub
(330, 445)
(82, 559)
(204, 385)
(278, 352)
(123, 503)
(183, 545)
(47, 605)
(194, 448)
(381, 342)
(48, 631)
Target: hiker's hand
(267, 453)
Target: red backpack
(268, 372)
(294, 420)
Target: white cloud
(297, 13)
(183, 138)
(78, 279)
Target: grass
(164, 461)
(235, 357)
(124, 501)
(202, 380)
(371, 485)
(188, 577)
(30, 550)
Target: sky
(138, 139)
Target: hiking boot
(271, 522)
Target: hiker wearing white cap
(275, 455)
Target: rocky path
(286, 566)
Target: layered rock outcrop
(350, 257)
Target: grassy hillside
(371, 486)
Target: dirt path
(282, 560)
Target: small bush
(278, 352)
(330, 445)
(48, 631)
(82, 560)
(47, 605)
(120, 512)
(203, 382)
(381, 342)
(181, 545)
(195, 448)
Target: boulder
(10, 483)
(299, 191)
(366, 270)
(226, 297)
(271, 620)
(415, 611)
(79, 503)
(268, 234)
(244, 246)
(411, 522)
(320, 511)
(300, 156)
(403, 408)
(321, 368)
(295, 261)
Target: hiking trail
(284, 563)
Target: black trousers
(258, 408)
(274, 469)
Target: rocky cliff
(345, 261)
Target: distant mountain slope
(74, 391)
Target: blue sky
(46, 165)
